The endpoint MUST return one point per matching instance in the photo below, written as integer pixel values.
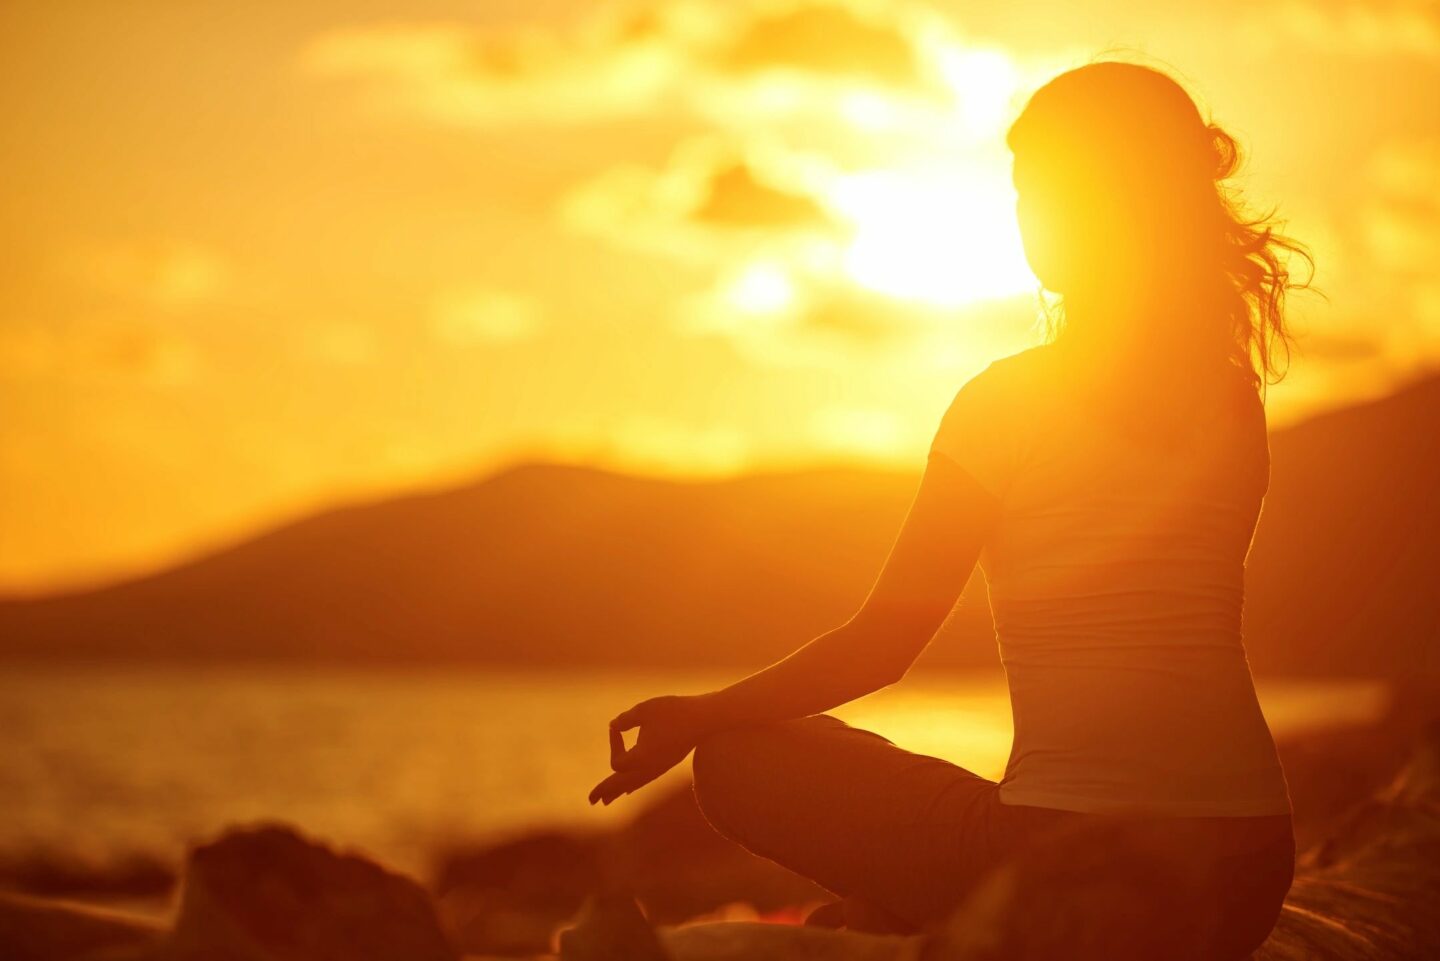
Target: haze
(261, 257)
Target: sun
(940, 227)
(945, 238)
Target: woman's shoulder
(1006, 391)
(1018, 374)
(984, 429)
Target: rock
(1103, 893)
(32, 929)
(611, 928)
(1372, 889)
(753, 941)
(679, 868)
(511, 897)
(1330, 771)
(66, 875)
(267, 894)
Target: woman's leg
(1250, 889)
(908, 834)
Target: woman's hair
(1132, 135)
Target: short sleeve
(978, 431)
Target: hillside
(1345, 571)
(548, 565)
(539, 564)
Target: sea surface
(101, 765)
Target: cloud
(775, 313)
(862, 318)
(1338, 347)
(865, 432)
(735, 196)
(708, 201)
(171, 275)
(473, 315)
(123, 328)
(827, 40)
(652, 444)
(681, 55)
(794, 95)
(1397, 232)
(822, 119)
(96, 351)
(1345, 28)
(463, 74)
(885, 244)
(1402, 224)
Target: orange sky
(258, 257)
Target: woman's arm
(932, 558)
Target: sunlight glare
(985, 84)
(946, 241)
(762, 288)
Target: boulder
(680, 868)
(611, 928)
(1372, 889)
(510, 897)
(268, 894)
(70, 875)
(35, 929)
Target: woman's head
(1121, 201)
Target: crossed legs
(909, 836)
(903, 833)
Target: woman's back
(1116, 579)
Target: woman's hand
(670, 727)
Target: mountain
(539, 564)
(550, 565)
(1344, 575)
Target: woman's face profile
(1073, 226)
(1037, 209)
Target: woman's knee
(723, 761)
(735, 768)
(715, 774)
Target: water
(97, 765)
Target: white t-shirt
(1116, 581)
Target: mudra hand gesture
(669, 728)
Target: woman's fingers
(617, 749)
(625, 720)
(621, 783)
(602, 790)
(644, 755)
(655, 752)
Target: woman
(1109, 484)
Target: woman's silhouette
(1109, 484)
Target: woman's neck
(1123, 358)
(1112, 328)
